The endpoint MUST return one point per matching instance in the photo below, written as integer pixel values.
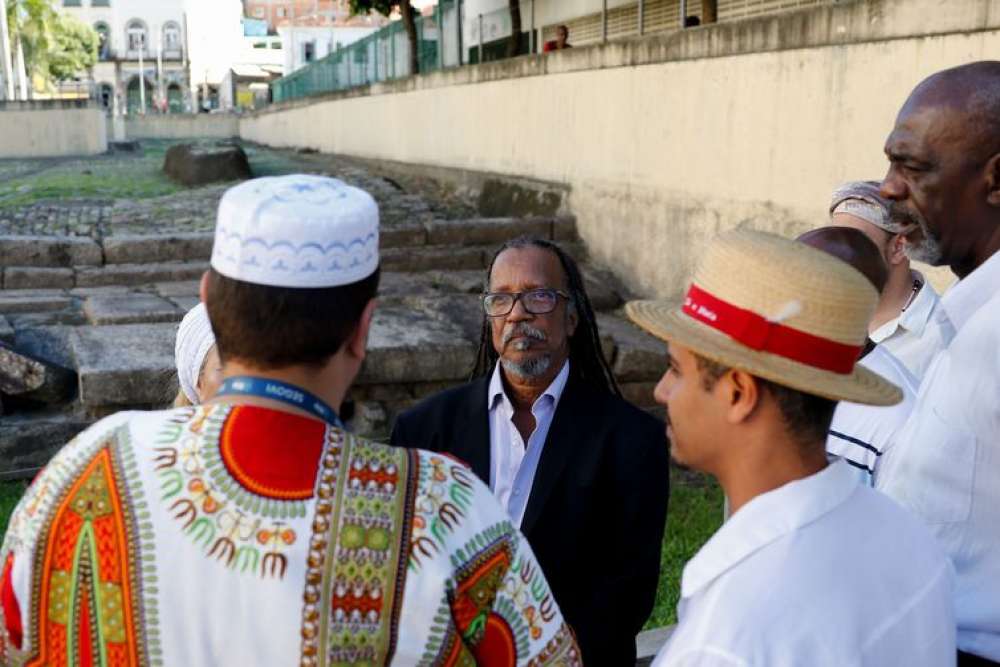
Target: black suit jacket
(596, 512)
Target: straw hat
(779, 310)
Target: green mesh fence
(381, 56)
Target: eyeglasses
(535, 301)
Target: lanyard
(283, 392)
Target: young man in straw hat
(811, 568)
(253, 529)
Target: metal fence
(449, 38)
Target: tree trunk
(6, 63)
(409, 22)
(22, 74)
(514, 44)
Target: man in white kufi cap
(811, 568)
(253, 529)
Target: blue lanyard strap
(276, 390)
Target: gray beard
(530, 368)
(928, 250)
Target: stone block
(185, 303)
(48, 343)
(407, 346)
(639, 357)
(127, 364)
(49, 251)
(64, 317)
(467, 282)
(369, 420)
(133, 275)
(6, 331)
(33, 379)
(29, 440)
(158, 248)
(404, 235)
(198, 165)
(601, 288)
(428, 258)
(639, 393)
(132, 308)
(486, 231)
(183, 288)
(84, 292)
(564, 229)
(33, 301)
(22, 277)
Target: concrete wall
(49, 129)
(181, 126)
(667, 140)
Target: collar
(765, 519)
(916, 315)
(496, 393)
(969, 294)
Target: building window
(71, 3)
(100, 3)
(135, 35)
(258, 12)
(260, 45)
(103, 40)
(171, 37)
(275, 45)
(281, 12)
(309, 52)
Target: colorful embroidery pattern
(444, 500)
(89, 601)
(357, 550)
(245, 532)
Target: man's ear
(357, 344)
(896, 250)
(742, 394)
(993, 180)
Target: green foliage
(74, 48)
(10, 494)
(33, 23)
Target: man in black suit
(581, 471)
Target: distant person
(560, 42)
(909, 321)
(583, 473)
(199, 369)
(861, 434)
(944, 184)
(691, 21)
(811, 568)
(254, 529)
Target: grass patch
(10, 494)
(695, 513)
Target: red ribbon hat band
(758, 333)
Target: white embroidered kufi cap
(296, 231)
(194, 340)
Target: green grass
(695, 513)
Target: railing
(450, 38)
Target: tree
(31, 24)
(74, 49)
(408, 14)
(514, 43)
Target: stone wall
(182, 126)
(51, 129)
(666, 140)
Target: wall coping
(839, 24)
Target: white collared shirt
(945, 466)
(822, 572)
(860, 434)
(921, 331)
(512, 463)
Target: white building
(304, 44)
(142, 41)
(215, 38)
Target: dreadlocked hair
(588, 361)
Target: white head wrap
(194, 340)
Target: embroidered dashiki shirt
(242, 535)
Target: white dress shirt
(946, 465)
(821, 572)
(919, 333)
(512, 463)
(860, 434)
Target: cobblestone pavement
(128, 194)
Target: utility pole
(142, 75)
(6, 66)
